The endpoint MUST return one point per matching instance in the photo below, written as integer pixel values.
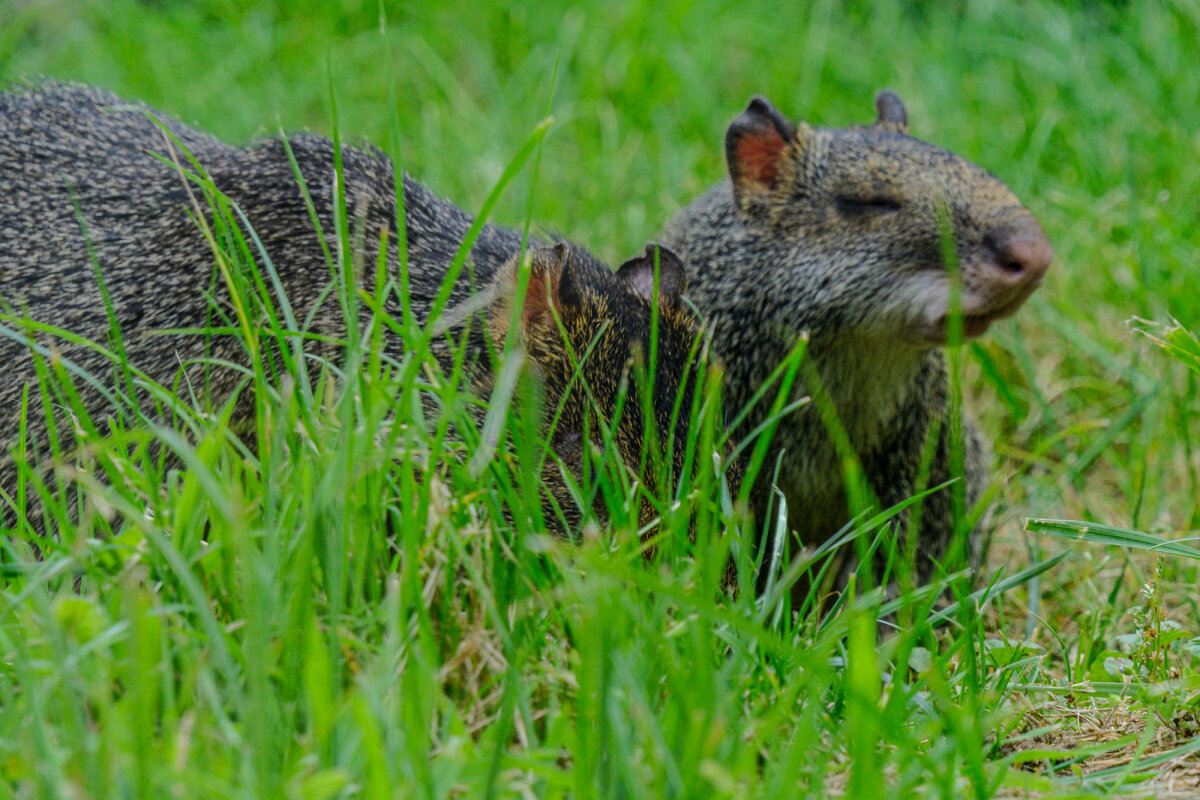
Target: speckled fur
(59, 141)
(838, 235)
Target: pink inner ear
(758, 155)
(537, 304)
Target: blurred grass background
(1089, 110)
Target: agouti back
(63, 147)
(839, 233)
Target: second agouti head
(599, 339)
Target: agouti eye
(867, 205)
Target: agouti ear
(570, 294)
(552, 287)
(762, 147)
(638, 274)
(890, 109)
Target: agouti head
(590, 332)
(876, 205)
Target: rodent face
(882, 203)
(865, 210)
(587, 332)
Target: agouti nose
(1021, 250)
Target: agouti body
(837, 233)
(62, 146)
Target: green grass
(262, 637)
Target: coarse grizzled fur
(838, 233)
(64, 147)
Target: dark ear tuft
(892, 115)
(758, 147)
(638, 274)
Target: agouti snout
(1020, 255)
